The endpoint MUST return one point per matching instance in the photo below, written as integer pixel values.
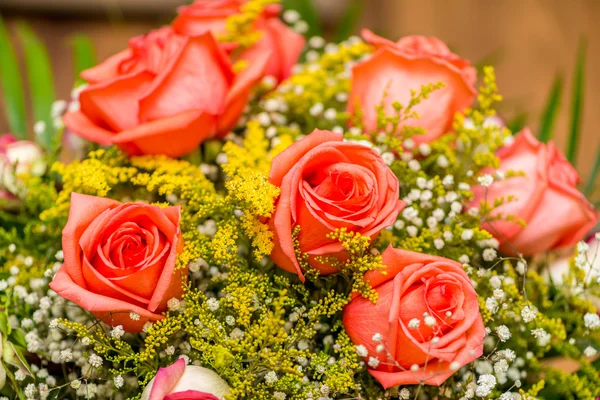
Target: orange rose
(427, 316)
(283, 44)
(398, 68)
(164, 95)
(556, 214)
(120, 259)
(326, 184)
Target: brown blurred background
(528, 41)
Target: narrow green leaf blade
(516, 124)
(591, 182)
(349, 20)
(577, 103)
(41, 81)
(551, 110)
(12, 85)
(84, 55)
(308, 14)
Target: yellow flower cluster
(240, 26)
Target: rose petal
(182, 85)
(84, 209)
(111, 311)
(239, 92)
(174, 136)
(283, 162)
(114, 104)
(191, 395)
(166, 379)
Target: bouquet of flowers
(253, 220)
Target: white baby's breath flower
(591, 320)
(414, 165)
(404, 394)
(485, 180)
(117, 332)
(589, 351)
(414, 323)
(529, 313)
(467, 234)
(118, 381)
(213, 304)
(492, 305)
(362, 350)
(373, 362)
(489, 254)
(503, 333)
(95, 360)
(173, 304)
(271, 377)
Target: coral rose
(327, 184)
(427, 315)
(556, 214)
(181, 382)
(283, 44)
(398, 68)
(165, 94)
(119, 258)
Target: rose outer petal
(166, 379)
(111, 311)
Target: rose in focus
(326, 184)
(546, 199)
(181, 382)
(119, 259)
(395, 69)
(165, 94)
(17, 157)
(427, 315)
(283, 44)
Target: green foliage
(592, 178)
(12, 85)
(551, 110)
(577, 103)
(84, 56)
(40, 82)
(308, 13)
(350, 17)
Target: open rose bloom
(119, 259)
(283, 45)
(165, 94)
(327, 184)
(395, 69)
(555, 213)
(427, 316)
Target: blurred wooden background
(529, 41)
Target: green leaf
(4, 325)
(577, 103)
(308, 14)
(41, 81)
(349, 20)
(17, 337)
(551, 110)
(591, 182)
(84, 55)
(516, 124)
(12, 85)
